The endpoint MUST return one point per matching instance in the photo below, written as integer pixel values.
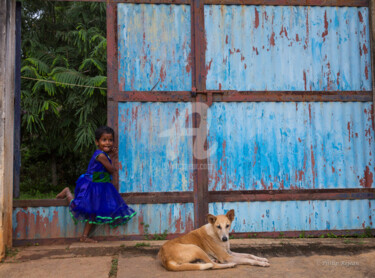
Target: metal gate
(264, 109)
(260, 106)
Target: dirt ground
(362, 265)
(313, 257)
(137, 265)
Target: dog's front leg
(243, 260)
(245, 255)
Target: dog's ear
(211, 218)
(230, 215)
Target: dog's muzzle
(224, 238)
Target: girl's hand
(113, 153)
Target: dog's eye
(218, 227)
(227, 226)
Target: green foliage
(113, 270)
(162, 236)
(63, 43)
(142, 244)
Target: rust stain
(297, 38)
(256, 50)
(365, 50)
(256, 22)
(162, 73)
(360, 17)
(304, 79)
(367, 179)
(272, 39)
(348, 127)
(307, 30)
(263, 184)
(325, 33)
(366, 72)
(283, 30)
(226, 39)
(313, 165)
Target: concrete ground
(288, 258)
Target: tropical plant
(63, 89)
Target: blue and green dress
(96, 200)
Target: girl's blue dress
(96, 200)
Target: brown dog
(202, 248)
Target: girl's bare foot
(87, 240)
(65, 193)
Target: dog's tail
(173, 266)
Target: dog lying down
(206, 248)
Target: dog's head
(221, 224)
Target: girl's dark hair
(103, 130)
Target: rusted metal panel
(154, 46)
(257, 48)
(299, 215)
(155, 147)
(56, 222)
(334, 3)
(290, 146)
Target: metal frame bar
(224, 196)
(245, 96)
(201, 196)
(280, 235)
(332, 3)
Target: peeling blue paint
(154, 47)
(287, 48)
(291, 145)
(155, 149)
(298, 215)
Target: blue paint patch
(293, 48)
(306, 145)
(155, 147)
(154, 47)
(298, 215)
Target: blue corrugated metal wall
(291, 145)
(56, 222)
(155, 151)
(264, 145)
(287, 48)
(154, 47)
(299, 215)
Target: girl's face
(105, 143)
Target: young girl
(96, 199)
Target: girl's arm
(104, 160)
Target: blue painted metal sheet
(56, 222)
(154, 47)
(155, 151)
(287, 48)
(299, 215)
(290, 145)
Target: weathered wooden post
(7, 64)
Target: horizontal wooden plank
(130, 198)
(333, 3)
(158, 197)
(185, 2)
(245, 96)
(293, 96)
(224, 196)
(283, 234)
(291, 195)
(155, 96)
